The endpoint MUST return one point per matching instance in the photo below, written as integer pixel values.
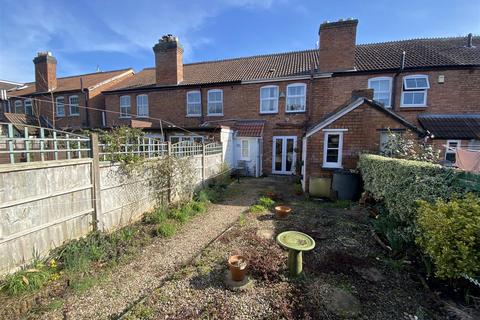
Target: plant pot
(283, 211)
(238, 267)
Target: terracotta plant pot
(238, 267)
(283, 211)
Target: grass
(266, 202)
(166, 229)
(257, 208)
(28, 280)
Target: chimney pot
(470, 40)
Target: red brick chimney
(337, 45)
(168, 61)
(45, 72)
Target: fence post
(169, 185)
(98, 223)
(27, 144)
(203, 162)
(10, 143)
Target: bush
(29, 279)
(266, 202)
(198, 207)
(400, 183)
(257, 208)
(449, 234)
(166, 229)
(157, 216)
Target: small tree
(400, 147)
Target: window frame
(287, 96)
(56, 107)
(125, 115)
(338, 163)
(18, 104)
(137, 104)
(194, 115)
(423, 90)
(390, 82)
(70, 104)
(182, 138)
(447, 146)
(208, 102)
(29, 100)
(268, 99)
(243, 157)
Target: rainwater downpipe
(394, 84)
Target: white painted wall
(226, 138)
(253, 162)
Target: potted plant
(238, 267)
(282, 211)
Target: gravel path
(129, 282)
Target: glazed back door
(283, 154)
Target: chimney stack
(337, 45)
(45, 72)
(168, 61)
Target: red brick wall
(337, 45)
(169, 66)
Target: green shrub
(166, 229)
(400, 183)
(28, 280)
(257, 208)
(449, 234)
(198, 207)
(157, 216)
(390, 228)
(266, 202)
(182, 215)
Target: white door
(283, 154)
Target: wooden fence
(45, 203)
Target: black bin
(346, 185)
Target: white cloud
(133, 27)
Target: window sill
(268, 113)
(143, 117)
(295, 111)
(75, 115)
(193, 115)
(332, 167)
(59, 116)
(124, 117)
(215, 115)
(414, 106)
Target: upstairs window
(215, 102)
(382, 90)
(60, 106)
(296, 94)
(73, 101)
(28, 107)
(142, 106)
(269, 99)
(194, 104)
(451, 150)
(414, 92)
(18, 106)
(125, 107)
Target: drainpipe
(86, 98)
(394, 82)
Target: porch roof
(249, 128)
(451, 126)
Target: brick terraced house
(69, 95)
(319, 107)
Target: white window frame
(423, 90)
(125, 115)
(145, 114)
(208, 104)
(242, 156)
(275, 99)
(18, 105)
(338, 163)
(194, 103)
(57, 104)
(304, 96)
(447, 147)
(70, 103)
(389, 79)
(186, 138)
(30, 102)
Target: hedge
(400, 183)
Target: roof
(89, 80)
(7, 85)
(20, 120)
(451, 126)
(368, 57)
(249, 128)
(345, 109)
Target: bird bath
(296, 242)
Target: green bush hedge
(400, 183)
(449, 234)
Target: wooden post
(55, 145)
(10, 143)
(97, 218)
(26, 144)
(169, 185)
(69, 154)
(203, 162)
(42, 143)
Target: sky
(115, 34)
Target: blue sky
(120, 34)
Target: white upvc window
(296, 97)
(215, 102)
(125, 106)
(382, 90)
(332, 149)
(73, 101)
(269, 99)
(60, 106)
(194, 104)
(18, 106)
(244, 149)
(142, 106)
(28, 107)
(415, 90)
(451, 150)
